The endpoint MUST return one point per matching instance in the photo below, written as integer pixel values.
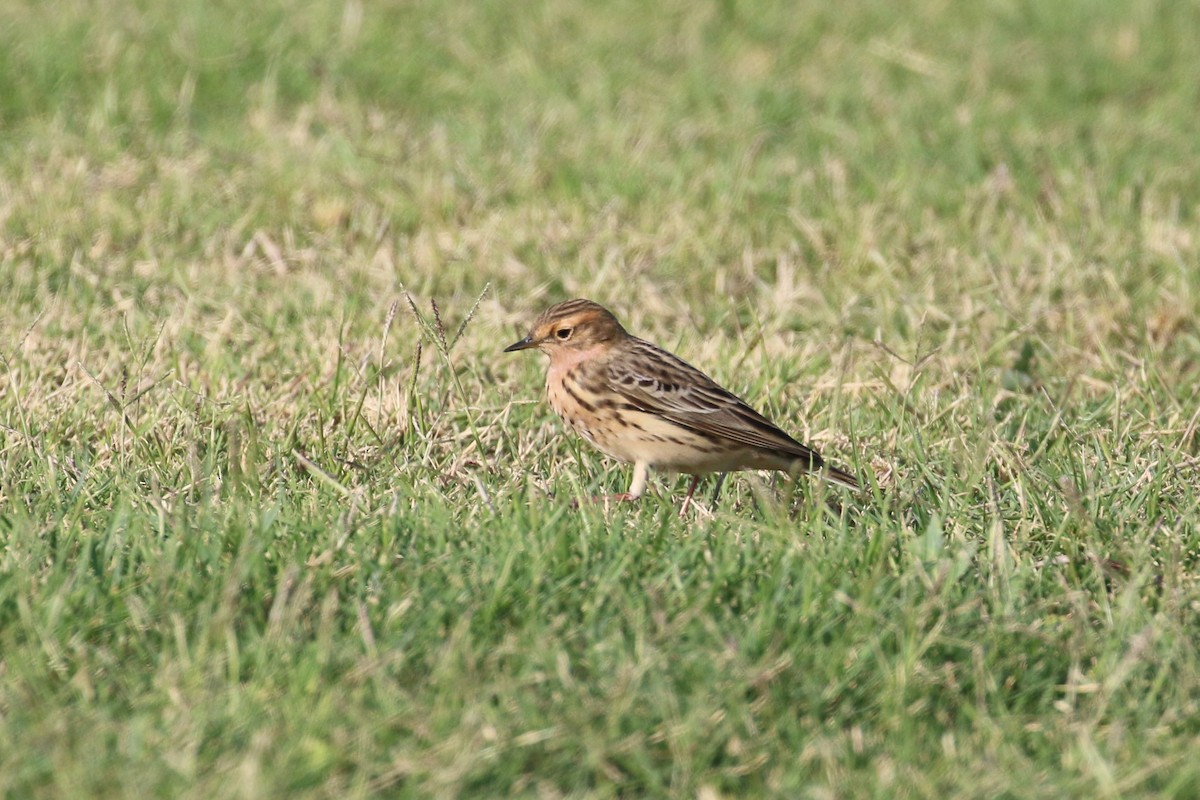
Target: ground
(279, 519)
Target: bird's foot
(697, 509)
(623, 497)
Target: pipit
(642, 405)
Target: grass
(277, 518)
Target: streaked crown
(575, 324)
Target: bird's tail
(840, 477)
(804, 460)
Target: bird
(642, 405)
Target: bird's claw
(623, 497)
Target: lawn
(279, 519)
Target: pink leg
(687, 501)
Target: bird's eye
(563, 334)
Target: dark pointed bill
(524, 344)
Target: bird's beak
(524, 344)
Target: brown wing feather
(664, 384)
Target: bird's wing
(656, 382)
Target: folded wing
(665, 385)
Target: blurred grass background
(268, 530)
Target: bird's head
(569, 328)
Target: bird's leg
(717, 489)
(641, 470)
(687, 501)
